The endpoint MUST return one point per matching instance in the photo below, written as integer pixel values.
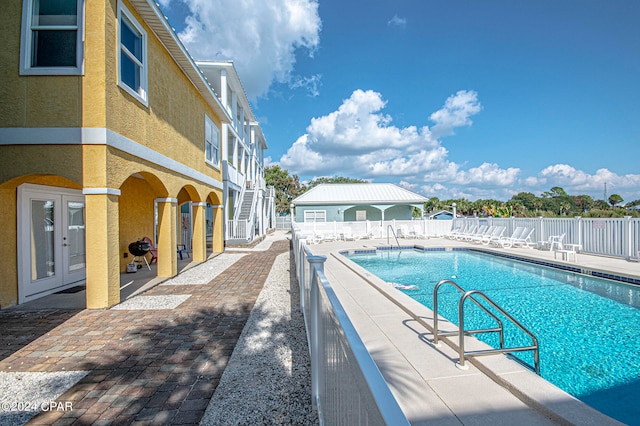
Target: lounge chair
(417, 231)
(319, 237)
(517, 232)
(495, 235)
(403, 232)
(480, 231)
(347, 235)
(458, 228)
(470, 231)
(523, 240)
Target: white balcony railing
(233, 175)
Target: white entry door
(51, 240)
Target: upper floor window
(211, 142)
(132, 66)
(52, 37)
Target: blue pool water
(588, 328)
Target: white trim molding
(166, 200)
(199, 204)
(99, 136)
(101, 191)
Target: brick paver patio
(145, 366)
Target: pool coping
(534, 391)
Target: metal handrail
(462, 332)
(394, 235)
(436, 333)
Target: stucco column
(103, 247)
(167, 228)
(199, 238)
(218, 229)
(8, 254)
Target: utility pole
(605, 192)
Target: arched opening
(138, 218)
(187, 212)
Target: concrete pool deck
(424, 378)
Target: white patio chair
(554, 242)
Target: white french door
(51, 240)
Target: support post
(167, 229)
(102, 247)
(316, 263)
(218, 229)
(199, 237)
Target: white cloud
(457, 112)
(261, 37)
(396, 21)
(357, 126)
(360, 139)
(488, 174)
(300, 154)
(407, 185)
(310, 84)
(577, 181)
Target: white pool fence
(614, 237)
(346, 385)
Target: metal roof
(358, 193)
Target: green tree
(529, 201)
(434, 204)
(287, 187)
(633, 203)
(615, 199)
(334, 179)
(583, 202)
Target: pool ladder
(394, 235)
(472, 295)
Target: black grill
(139, 248)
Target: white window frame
(214, 142)
(315, 215)
(26, 42)
(142, 94)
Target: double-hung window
(132, 59)
(315, 216)
(211, 142)
(52, 37)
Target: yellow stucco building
(107, 130)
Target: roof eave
(159, 24)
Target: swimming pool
(588, 328)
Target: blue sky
(453, 99)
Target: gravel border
(267, 380)
(138, 303)
(23, 394)
(207, 271)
